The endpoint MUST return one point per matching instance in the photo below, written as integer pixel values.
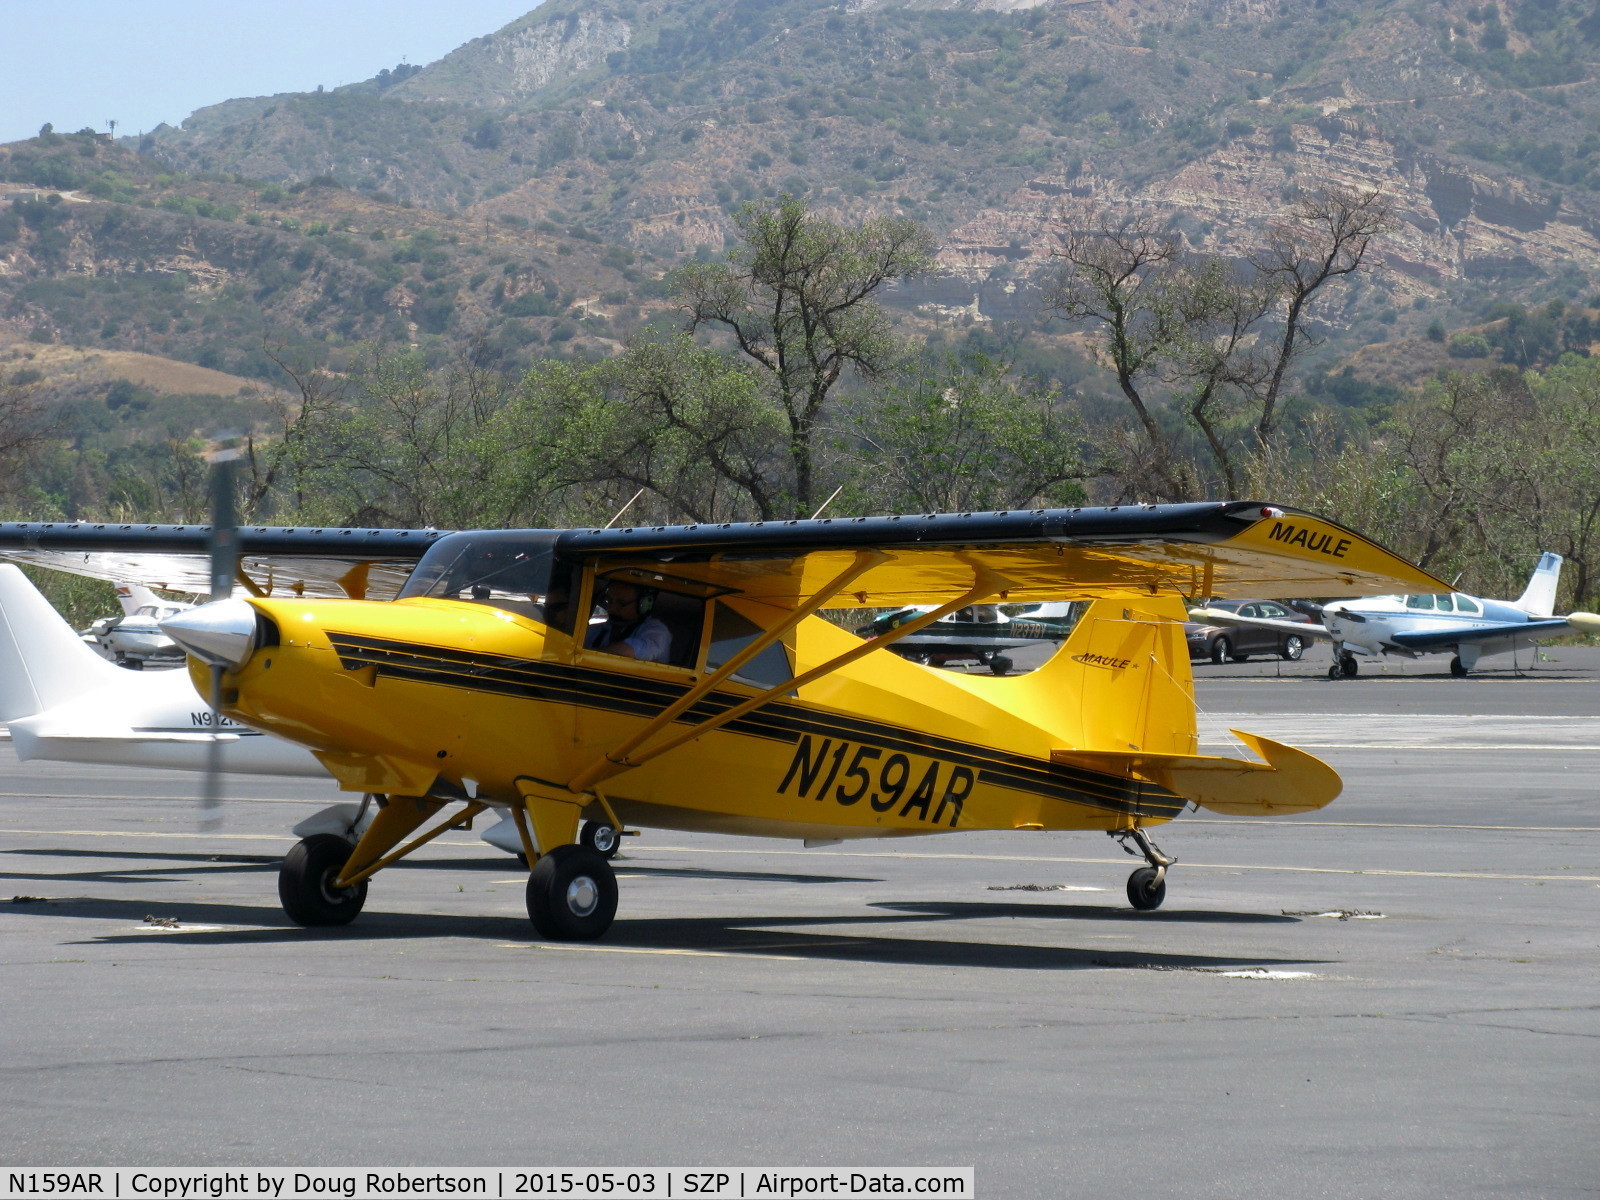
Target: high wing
(1226, 549)
(1440, 639)
(1221, 616)
(360, 563)
(1232, 548)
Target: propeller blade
(224, 542)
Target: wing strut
(623, 758)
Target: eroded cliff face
(506, 68)
(1455, 222)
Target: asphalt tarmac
(1393, 997)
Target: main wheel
(1145, 892)
(1348, 667)
(305, 883)
(1334, 672)
(1000, 664)
(572, 894)
(1221, 650)
(1293, 647)
(1457, 667)
(601, 837)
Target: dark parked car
(1236, 643)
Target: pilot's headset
(647, 595)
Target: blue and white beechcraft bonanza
(1466, 626)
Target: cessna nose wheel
(601, 837)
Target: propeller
(224, 547)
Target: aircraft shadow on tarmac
(197, 864)
(799, 937)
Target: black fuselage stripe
(594, 688)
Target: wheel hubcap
(583, 896)
(605, 839)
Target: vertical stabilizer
(1539, 598)
(134, 596)
(43, 663)
(1124, 678)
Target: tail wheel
(305, 883)
(1293, 647)
(1146, 890)
(601, 837)
(1221, 650)
(572, 894)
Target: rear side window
(1466, 604)
(731, 633)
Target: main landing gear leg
(572, 890)
(1147, 887)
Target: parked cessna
(482, 686)
(979, 633)
(134, 640)
(64, 702)
(1468, 627)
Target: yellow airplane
(714, 698)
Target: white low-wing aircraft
(135, 639)
(64, 702)
(1466, 626)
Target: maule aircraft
(713, 698)
(1467, 627)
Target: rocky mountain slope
(531, 187)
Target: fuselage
(418, 694)
(1368, 626)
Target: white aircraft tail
(1539, 598)
(134, 596)
(43, 663)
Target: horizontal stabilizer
(1287, 781)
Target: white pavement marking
(1412, 731)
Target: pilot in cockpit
(629, 630)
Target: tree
(1325, 237)
(969, 436)
(1117, 274)
(687, 424)
(25, 424)
(797, 299)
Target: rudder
(1538, 599)
(1125, 669)
(43, 663)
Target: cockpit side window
(1424, 603)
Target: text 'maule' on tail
(43, 663)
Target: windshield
(499, 567)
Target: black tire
(1144, 891)
(1348, 667)
(572, 895)
(1000, 664)
(305, 883)
(1221, 651)
(1458, 668)
(1334, 672)
(1293, 647)
(601, 837)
